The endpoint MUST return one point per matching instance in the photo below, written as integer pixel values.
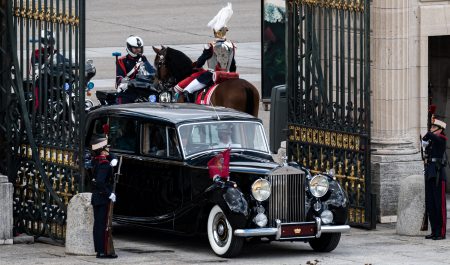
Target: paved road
(138, 246)
(109, 22)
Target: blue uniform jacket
(435, 150)
(103, 181)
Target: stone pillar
(395, 156)
(80, 222)
(6, 211)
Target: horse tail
(252, 99)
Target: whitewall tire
(220, 234)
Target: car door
(123, 138)
(160, 169)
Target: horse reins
(169, 83)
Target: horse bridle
(171, 81)
(161, 62)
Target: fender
(231, 200)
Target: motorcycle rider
(47, 52)
(129, 66)
(219, 54)
(44, 56)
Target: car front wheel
(325, 243)
(220, 234)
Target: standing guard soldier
(102, 193)
(435, 143)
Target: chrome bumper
(271, 231)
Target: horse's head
(160, 63)
(171, 65)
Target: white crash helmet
(136, 42)
(47, 39)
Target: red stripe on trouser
(443, 209)
(185, 82)
(105, 241)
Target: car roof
(176, 113)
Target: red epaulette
(101, 159)
(443, 137)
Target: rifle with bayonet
(431, 111)
(109, 245)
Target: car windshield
(201, 137)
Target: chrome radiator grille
(287, 201)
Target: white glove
(425, 143)
(112, 197)
(113, 162)
(122, 87)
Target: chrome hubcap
(220, 230)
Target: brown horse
(172, 66)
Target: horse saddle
(204, 96)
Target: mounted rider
(219, 54)
(130, 66)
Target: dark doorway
(439, 80)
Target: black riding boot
(187, 97)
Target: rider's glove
(122, 87)
(112, 197)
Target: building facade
(410, 69)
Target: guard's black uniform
(101, 190)
(435, 184)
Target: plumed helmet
(219, 22)
(99, 144)
(439, 124)
(134, 42)
(47, 38)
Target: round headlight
(327, 217)
(261, 190)
(318, 186)
(165, 97)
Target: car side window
(154, 140)
(122, 133)
(174, 143)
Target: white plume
(222, 18)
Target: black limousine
(165, 183)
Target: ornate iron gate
(42, 109)
(329, 94)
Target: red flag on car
(220, 165)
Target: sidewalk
(137, 246)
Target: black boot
(187, 97)
(429, 236)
